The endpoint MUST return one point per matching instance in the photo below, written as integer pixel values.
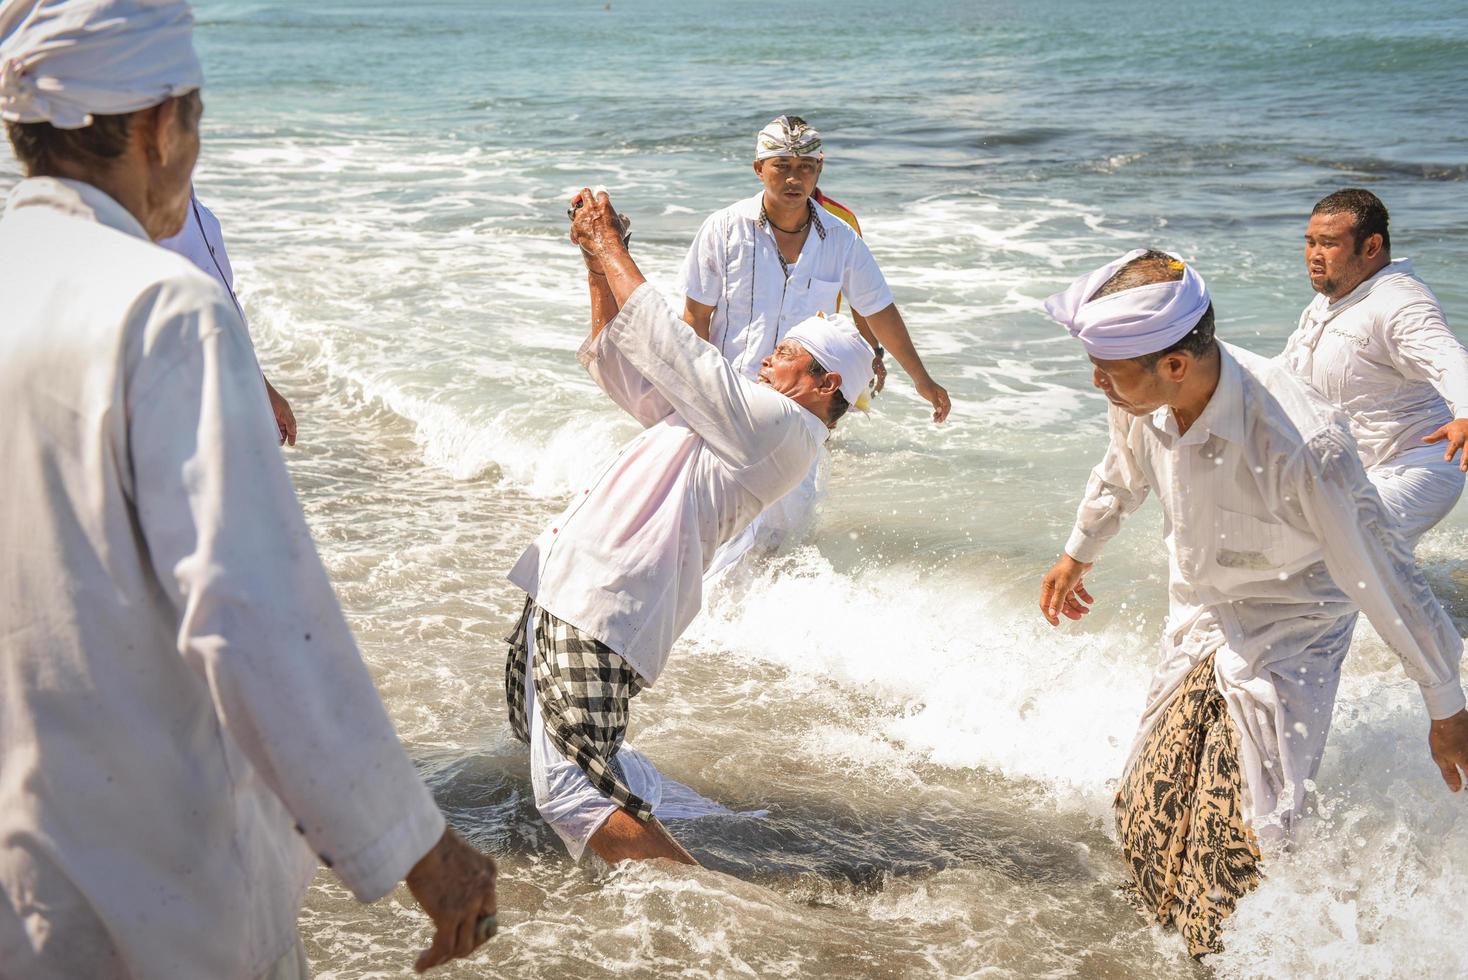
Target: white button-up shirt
(734, 266)
(1266, 507)
(1384, 353)
(184, 716)
(625, 561)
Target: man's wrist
(878, 351)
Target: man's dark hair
(839, 405)
(1368, 214)
(1151, 267)
(39, 145)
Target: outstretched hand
(1448, 742)
(1456, 435)
(1062, 593)
(597, 227)
(937, 396)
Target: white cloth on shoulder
(1134, 322)
(64, 61)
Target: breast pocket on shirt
(819, 297)
(1249, 542)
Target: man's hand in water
(1448, 741)
(1062, 594)
(455, 885)
(596, 227)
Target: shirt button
(555, 530)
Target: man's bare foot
(625, 838)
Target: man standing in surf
(764, 264)
(1374, 342)
(617, 577)
(1276, 539)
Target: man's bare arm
(888, 327)
(698, 316)
(598, 229)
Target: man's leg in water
(622, 837)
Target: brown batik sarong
(1179, 816)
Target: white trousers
(1418, 487)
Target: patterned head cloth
(787, 136)
(63, 60)
(1134, 322)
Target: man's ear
(758, 168)
(149, 128)
(830, 382)
(1372, 245)
(1177, 366)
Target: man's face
(178, 151)
(787, 370)
(1333, 257)
(1130, 386)
(789, 180)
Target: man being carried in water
(617, 577)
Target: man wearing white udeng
(764, 264)
(186, 725)
(1374, 342)
(615, 580)
(1275, 539)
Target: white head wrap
(61, 61)
(1134, 322)
(787, 136)
(837, 346)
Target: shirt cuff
(1082, 547)
(590, 349)
(875, 304)
(1443, 700)
(374, 870)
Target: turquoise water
(938, 762)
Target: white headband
(1134, 322)
(63, 61)
(837, 346)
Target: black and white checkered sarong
(582, 688)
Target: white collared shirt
(1266, 507)
(185, 721)
(1383, 353)
(734, 266)
(625, 561)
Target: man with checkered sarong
(1276, 540)
(618, 576)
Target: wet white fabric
(1419, 488)
(1274, 538)
(1384, 354)
(734, 266)
(187, 721)
(62, 61)
(1134, 322)
(837, 345)
(783, 523)
(574, 808)
(625, 561)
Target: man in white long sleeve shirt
(1275, 538)
(185, 722)
(1374, 342)
(201, 241)
(615, 579)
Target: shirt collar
(1223, 416)
(1326, 310)
(74, 199)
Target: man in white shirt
(1374, 342)
(186, 725)
(1275, 539)
(615, 579)
(201, 241)
(764, 264)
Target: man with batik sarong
(1275, 538)
(618, 576)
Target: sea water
(937, 761)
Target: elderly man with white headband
(614, 580)
(187, 724)
(764, 264)
(1275, 539)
